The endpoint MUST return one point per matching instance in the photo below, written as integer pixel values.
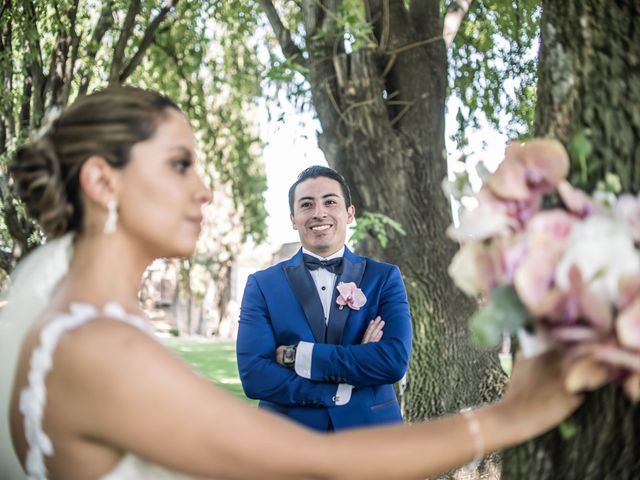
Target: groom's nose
(319, 211)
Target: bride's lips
(197, 221)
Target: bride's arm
(126, 390)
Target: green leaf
(568, 429)
(485, 331)
(580, 148)
(611, 183)
(506, 363)
(376, 225)
(506, 299)
(504, 314)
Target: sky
(291, 146)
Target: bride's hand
(536, 396)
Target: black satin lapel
(351, 272)
(305, 291)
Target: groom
(300, 352)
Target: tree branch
(104, 23)
(456, 12)
(6, 262)
(20, 230)
(71, 64)
(3, 134)
(171, 53)
(390, 22)
(6, 73)
(6, 5)
(125, 34)
(25, 106)
(289, 49)
(147, 39)
(60, 55)
(385, 33)
(35, 63)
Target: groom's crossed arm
(262, 378)
(367, 364)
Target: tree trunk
(202, 323)
(589, 85)
(382, 116)
(177, 307)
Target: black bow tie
(312, 263)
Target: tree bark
(589, 81)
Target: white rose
(603, 250)
(468, 269)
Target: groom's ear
(293, 223)
(351, 213)
(98, 180)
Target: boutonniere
(350, 295)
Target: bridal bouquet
(569, 274)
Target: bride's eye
(181, 165)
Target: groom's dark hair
(320, 171)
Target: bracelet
(474, 428)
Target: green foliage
(284, 75)
(493, 65)
(351, 20)
(504, 314)
(376, 225)
(215, 360)
(568, 429)
(208, 62)
(580, 149)
(610, 184)
(202, 54)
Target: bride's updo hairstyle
(106, 123)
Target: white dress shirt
(325, 282)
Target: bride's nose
(203, 193)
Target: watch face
(289, 356)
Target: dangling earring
(112, 217)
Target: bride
(91, 394)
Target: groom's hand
(280, 354)
(373, 333)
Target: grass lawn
(215, 359)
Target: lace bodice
(33, 397)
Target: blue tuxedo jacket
(281, 306)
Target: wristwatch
(289, 356)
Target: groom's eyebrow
(326, 195)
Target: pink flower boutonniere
(351, 296)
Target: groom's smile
(320, 228)
(320, 215)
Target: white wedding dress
(30, 293)
(33, 397)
